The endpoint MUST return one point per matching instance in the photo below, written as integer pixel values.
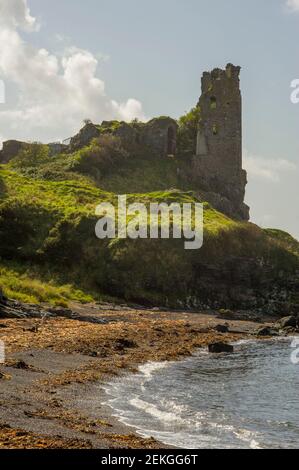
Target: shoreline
(116, 414)
(55, 368)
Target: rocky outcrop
(290, 321)
(84, 136)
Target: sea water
(248, 399)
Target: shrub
(187, 132)
(101, 156)
(31, 155)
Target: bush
(187, 132)
(101, 156)
(31, 155)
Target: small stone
(20, 365)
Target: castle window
(171, 141)
(215, 129)
(213, 102)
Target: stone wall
(159, 134)
(11, 148)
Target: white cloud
(266, 169)
(293, 5)
(16, 13)
(54, 93)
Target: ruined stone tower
(217, 165)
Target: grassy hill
(49, 251)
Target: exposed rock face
(11, 148)
(84, 137)
(217, 166)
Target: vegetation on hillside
(49, 251)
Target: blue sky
(146, 59)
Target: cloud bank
(293, 5)
(266, 169)
(54, 94)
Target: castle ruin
(214, 169)
(217, 165)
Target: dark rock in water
(291, 321)
(217, 348)
(267, 331)
(221, 328)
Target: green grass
(20, 284)
(49, 252)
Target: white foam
(163, 416)
(149, 368)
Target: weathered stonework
(215, 169)
(10, 149)
(217, 165)
(159, 134)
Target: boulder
(221, 328)
(217, 348)
(290, 321)
(267, 331)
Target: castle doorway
(171, 141)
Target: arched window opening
(213, 102)
(215, 129)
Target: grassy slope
(49, 252)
